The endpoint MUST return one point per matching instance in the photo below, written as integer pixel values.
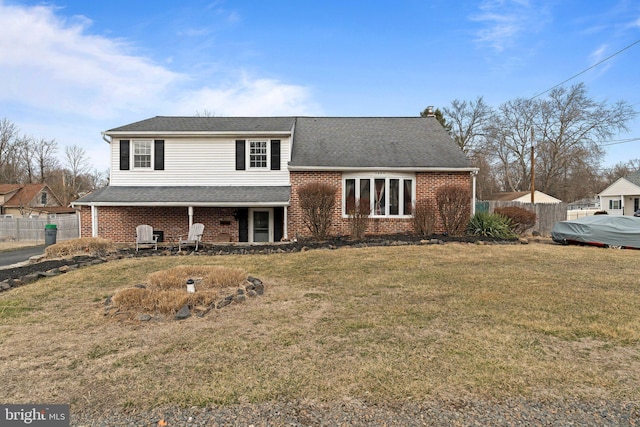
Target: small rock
(144, 317)
(225, 302)
(140, 286)
(240, 298)
(29, 278)
(252, 293)
(183, 313)
(260, 289)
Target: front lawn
(384, 324)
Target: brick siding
(119, 223)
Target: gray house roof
(164, 124)
(374, 142)
(634, 178)
(188, 196)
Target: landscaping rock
(145, 317)
(183, 313)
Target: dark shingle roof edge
(213, 196)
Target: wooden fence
(32, 229)
(547, 214)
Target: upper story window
(379, 196)
(257, 154)
(43, 199)
(142, 154)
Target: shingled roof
(189, 195)
(168, 124)
(374, 142)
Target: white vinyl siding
(200, 162)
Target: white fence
(580, 213)
(32, 229)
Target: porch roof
(213, 196)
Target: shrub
(520, 218)
(424, 218)
(490, 225)
(453, 203)
(317, 201)
(93, 246)
(358, 219)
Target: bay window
(379, 196)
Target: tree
(8, 156)
(570, 125)
(468, 122)
(77, 167)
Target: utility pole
(533, 171)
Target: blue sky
(70, 69)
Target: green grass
(381, 324)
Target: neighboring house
(30, 200)
(240, 176)
(522, 197)
(623, 196)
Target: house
(522, 197)
(623, 196)
(30, 200)
(240, 176)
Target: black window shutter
(124, 154)
(158, 154)
(240, 154)
(275, 154)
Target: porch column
(190, 216)
(285, 232)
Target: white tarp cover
(599, 229)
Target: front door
(261, 227)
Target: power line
(587, 69)
(619, 141)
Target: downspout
(473, 192)
(94, 221)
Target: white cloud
(249, 97)
(50, 63)
(503, 21)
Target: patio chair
(193, 238)
(145, 237)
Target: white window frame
(267, 154)
(137, 143)
(387, 177)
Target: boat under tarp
(599, 230)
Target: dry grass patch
(92, 246)
(166, 293)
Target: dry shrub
(93, 246)
(317, 201)
(358, 218)
(521, 218)
(424, 218)
(213, 277)
(161, 301)
(454, 205)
